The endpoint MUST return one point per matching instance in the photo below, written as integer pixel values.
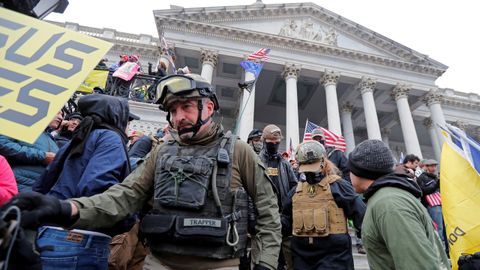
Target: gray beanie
(371, 159)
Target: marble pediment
(287, 25)
(309, 30)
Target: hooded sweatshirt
(397, 231)
(96, 157)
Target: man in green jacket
(194, 187)
(397, 231)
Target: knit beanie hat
(371, 159)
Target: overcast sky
(445, 30)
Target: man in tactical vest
(338, 159)
(316, 213)
(195, 185)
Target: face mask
(272, 148)
(313, 177)
(322, 141)
(257, 146)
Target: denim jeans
(436, 215)
(72, 250)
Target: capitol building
(322, 67)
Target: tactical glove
(38, 209)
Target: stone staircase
(359, 260)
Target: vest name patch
(204, 222)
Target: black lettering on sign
(24, 97)
(61, 55)
(453, 237)
(24, 60)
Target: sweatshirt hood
(401, 181)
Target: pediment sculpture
(305, 29)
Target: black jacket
(63, 137)
(429, 183)
(339, 160)
(286, 177)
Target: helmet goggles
(183, 86)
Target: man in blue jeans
(95, 159)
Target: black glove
(38, 209)
(260, 267)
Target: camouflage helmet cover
(311, 156)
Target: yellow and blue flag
(460, 188)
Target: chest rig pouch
(195, 212)
(183, 181)
(315, 213)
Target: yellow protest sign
(41, 65)
(96, 78)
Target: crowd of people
(142, 89)
(193, 196)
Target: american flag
(434, 199)
(290, 150)
(261, 54)
(331, 139)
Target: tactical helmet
(317, 132)
(311, 156)
(254, 134)
(183, 87)
(177, 87)
(272, 132)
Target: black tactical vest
(194, 211)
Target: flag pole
(245, 106)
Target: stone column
(347, 124)
(428, 122)
(366, 86)
(209, 61)
(247, 109)
(433, 99)
(291, 73)
(385, 136)
(400, 94)
(329, 81)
